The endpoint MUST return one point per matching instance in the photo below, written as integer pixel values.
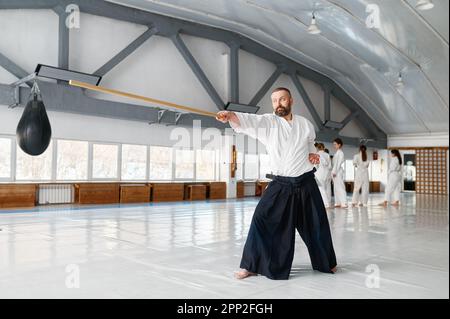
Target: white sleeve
(338, 160)
(324, 162)
(395, 165)
(254, 125)
(311, 137)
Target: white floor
(190, 250)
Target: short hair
(282, 89)
(338, 141)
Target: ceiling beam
(122, 55)
(266, 86)
(195, 67)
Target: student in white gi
(329, 176)
(394, 184)
(340, 194)
(361, 162)
(292, 200)
(323, 172)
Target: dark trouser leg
(313, 227)
(269, 249)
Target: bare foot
(243, 273)
(334, 269)
(396, 203)
(383, 204)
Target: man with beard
(292, 199)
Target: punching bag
(34, 131)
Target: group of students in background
(331, 169)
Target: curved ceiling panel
(364, 61)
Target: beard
(283, 110)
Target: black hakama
(288, 203)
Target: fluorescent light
(55, 73)
(333, 124)
(244, 108)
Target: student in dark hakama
(292, 200)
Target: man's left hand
(314, 158)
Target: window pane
(217, 177)
(34, 167)
(184, 165)
(264, 167)
(5, 157)
(251, 166)
(160, 163)
(349, 170)
(240, 166)
(375, 171)
(134, 162)
(72, 160)
(205, 164)
(104, 160)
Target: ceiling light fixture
(313, 28)
(424, 5)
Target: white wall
(419, 140)
(156, 69)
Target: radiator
(249, 189)
(56, 194)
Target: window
(349, 170)
(104, 161)
(72, 160)
(264, 166)
(217, 175)
(34, 167)
(251, 166)
(375, 171)
(205, 164)
(160, 163)
(134, 162)
(184, 164)
(5, 158)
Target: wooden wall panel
(168, 192)
(240, 189)
(218, 190)
(17, 195)
(135, 193)
(260, 188)
(431, 171)
(196, 192)
(97, 193)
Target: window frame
(147, 162)
(91, 162)
(12, 159)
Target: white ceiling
(364, 61)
